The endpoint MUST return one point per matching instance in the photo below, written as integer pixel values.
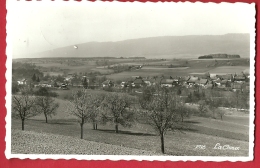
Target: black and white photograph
(130, 80)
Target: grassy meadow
(197, 131)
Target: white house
(22, 82)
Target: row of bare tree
(25, 106)
(161, 108)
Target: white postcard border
(126, 157)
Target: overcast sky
(39, 26)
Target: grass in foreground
(44, 143)
(140, 137)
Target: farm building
(167, 83)
(236, 87)
(107, 83)
(213, 77)
(175, 81)
(202, 82)
(239, 78)
(64, 86)
(183, 80)
(22, 82)
(193, 80)
(147, 82)
(225, 83)
(156, 81)
(44, 84)
(226, 77)
(138, 82)
(127, 83)
(217, 82)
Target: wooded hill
(211, 56)
(190, 46)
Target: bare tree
(95, 111)
(183, 111)
(214, 101)
(79, 107)
(202, 108)
(23, 106)
(47, 106)
(117, 110)
(221, 113)
(161, 112)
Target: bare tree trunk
(162, 142)
(22, 124)
(93, 125)
(46, 118)
(81, 130)
(116, 127)
(96, 126)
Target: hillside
(190, 46)
(44, 143)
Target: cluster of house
(47, 84)
(227, 81)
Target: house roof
(184, 78)
(226, 77)
(138, 81)
(224, 81)
(203, 81)
(44, 82)
(212, 75)
(218, 81)
(167, 81)
(157, 80)
(193, 79)
(107, 82)
(239, 77)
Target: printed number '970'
(200, 147)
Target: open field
(44, 143)
(152, 67)
(219, 128)
(139, 137)
(228, 69)
(142, 136)
(62, 94)
(128, 74)
(159, 68)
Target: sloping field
(221, 125)
(228, 69)
(140, 137)
(164, 68)
(151, 72)
(44, 143)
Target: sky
(38, 26)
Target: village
(228, 82)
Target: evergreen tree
(38, 79)
(34, 78)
